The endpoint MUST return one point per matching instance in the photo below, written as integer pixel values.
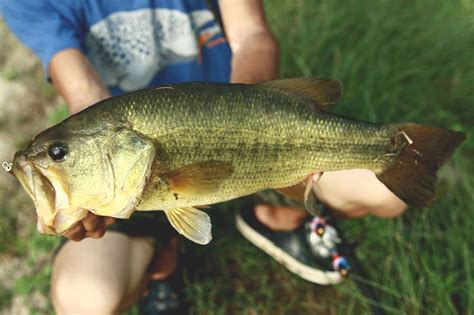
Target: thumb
(40, 227)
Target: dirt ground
(26, 102)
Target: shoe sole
(304, 271)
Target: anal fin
(310, 200)
(295, 192)
(303, 192)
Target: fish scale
(274, 142)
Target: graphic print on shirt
(129, 48)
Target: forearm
(76, 80)
(254, 48)
(255, 59)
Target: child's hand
(91, 226)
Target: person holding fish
(94, 50)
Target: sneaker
(301, 251)
(165, 297)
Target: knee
(356, 193)
(79, 294)
(388, 205)
(380, 203)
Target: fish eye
(58, 151)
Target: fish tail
(421, 151)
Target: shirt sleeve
(41, 27)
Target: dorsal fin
(323, 92)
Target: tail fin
(422, 151)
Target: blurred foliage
(400, 61)
(58, 114)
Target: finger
(90, 222)
(166, 261)
(316, 176)
(146, 285)
(77, 233)
(109, 221)
(99, 231)
(72, 229)
(40, 227)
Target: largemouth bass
(176, 147)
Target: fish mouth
(47, 196)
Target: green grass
(398, 61)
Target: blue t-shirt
(132, 44)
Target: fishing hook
(7, 166)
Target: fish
(177, 147)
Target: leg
(280, 218)
(97, 276)
(356, 193)
(351, 193)
(283, 231)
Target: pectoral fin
(194, 224)
(199, 178)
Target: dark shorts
(152, 224)
(149, 224)
(155, 225)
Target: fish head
(63, 173)
(68, 170)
